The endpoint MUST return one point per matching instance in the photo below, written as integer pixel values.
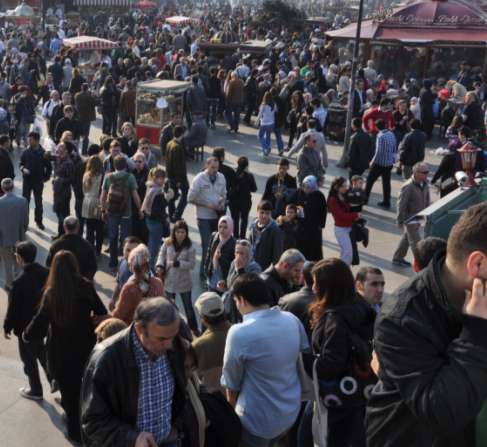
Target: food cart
(90, 52)
(157, 102)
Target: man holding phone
(432, 349)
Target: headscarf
(311, 183)
(222, 238)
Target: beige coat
(91, 198)
(177, 279)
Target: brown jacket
(131, 296)
(235, 92)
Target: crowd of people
(275, 314)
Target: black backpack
(117, 201)
(224, 428)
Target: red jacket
(372, 115)
(341, 213)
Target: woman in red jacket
(344, 218)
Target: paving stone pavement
(25, 423)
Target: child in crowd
(356, 198)
(290, 226)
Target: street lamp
(469, 152)
(351, 91)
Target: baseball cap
(209, 304)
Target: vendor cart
(157, 102)
(90, 50)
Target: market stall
(422, 38)
(90, 51)
(157, 102)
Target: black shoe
(386, 206)
(55, 237)
(28, 394)
(41, 226)
(401, 263)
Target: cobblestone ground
(25, 423)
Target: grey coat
(13, 228)
(309, 163)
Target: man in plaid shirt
(134, 387)
(382, 163)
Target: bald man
(413, 198)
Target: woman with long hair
(128, 140)
(91, 211)
(240, 201)
(175, 264)
(142, 284)
(67, 308)
(342, 326)
(343, 217)
(267, 120)
(76, 81)
(155, 206)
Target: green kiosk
(438, 220)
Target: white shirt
(49, 107)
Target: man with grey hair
(134, 384)
(414, 197)
(12, 229)
(285, 276)
(82, 250)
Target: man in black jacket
(121, 402)
(432, 350)
(67, 123)
(411, 148)
(361, 149)
(279, 188)
(23, 303)
(6, 166)
(36, 169)
(283, 277)
(83, 251)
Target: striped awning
(89, 43)
(105, 3)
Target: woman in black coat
(427, 99)
(240, 200)
(61, 185)
(341, 341)
(68, 305)
(141, 173)
(312, 211)
(220, 255)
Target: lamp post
(469, 152)
(351, 91)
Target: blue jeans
(232, 113)
(157, 230)
(212, 111)
(118, 228)
(250, 440)
(305, 433)
(180, 190)
(278, 134)
(206, 227)
(265, 132)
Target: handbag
(355, 386)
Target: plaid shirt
(156, 390)
(385, 149)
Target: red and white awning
(179, 20)
(104, 3)
(89, 43)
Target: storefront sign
(440, 21)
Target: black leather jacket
(433, 368)
(110, 390)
